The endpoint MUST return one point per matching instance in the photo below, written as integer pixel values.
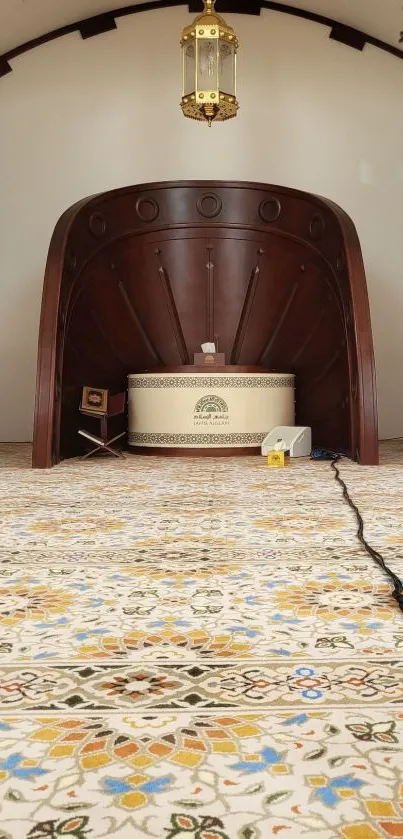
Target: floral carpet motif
(199, 649)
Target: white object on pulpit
(294, 439)
(208, 348)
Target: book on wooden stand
(99, 404)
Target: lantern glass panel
(226, 67)
(189, 69)
(207, 64)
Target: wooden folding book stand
(115, 406)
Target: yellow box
(276, 459)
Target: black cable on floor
(398, 584)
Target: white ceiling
(21, 20)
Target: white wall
(79, 117)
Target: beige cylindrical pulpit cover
(208, 410)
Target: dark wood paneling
(139, 277)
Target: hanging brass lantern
(209, 48)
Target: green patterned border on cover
(210, 381)
(139, 438)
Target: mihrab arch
(139, 277)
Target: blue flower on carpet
(269, 757)
(301, 718)
(80, 586)
(158, 624)
(14, 581)
(328, 794)
(250, 633)
(277, 583)
(82, 636)
(157, 785)
(280, 652)
(114, 786)
(281, 619)
(58, 622)
(358, 627)
(12, 765)
(44, 655)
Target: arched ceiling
(23, 20)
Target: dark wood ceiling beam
(239, 7)
(5, 67)
(348, 36)
(97, 25)
(105, 22)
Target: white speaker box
(294, 439)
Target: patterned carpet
(198, 649)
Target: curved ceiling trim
(105, 22)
